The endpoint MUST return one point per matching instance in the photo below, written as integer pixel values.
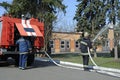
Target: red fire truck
(10, 31)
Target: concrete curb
(94, 67)
(81, 65)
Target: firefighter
(24, 47)
(84, 44)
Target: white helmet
(86, 34)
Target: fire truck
(11, 29)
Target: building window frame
(62, 44)
(51, 43)
(77, 44)
(67, 44)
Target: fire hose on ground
(96, 68)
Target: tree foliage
(91, 15)
(113, 10)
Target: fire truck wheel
(30, 59)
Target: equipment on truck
(10, 31)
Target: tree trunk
(116, 52)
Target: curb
(81, 65)
(93, 67)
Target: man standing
(85, 43)
(24, 47)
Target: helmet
(86, 34)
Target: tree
(113, 10)
(113, 15)
(5, 5)
(92, 15)
(44, 10)
(116, 41)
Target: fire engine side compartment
(7, 32)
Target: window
(77, 44)
(62, 44)
(52, 44)
(68, 44)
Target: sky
(2, 9)
(66, 21)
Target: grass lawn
(100, 61)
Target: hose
(91, 58)
(61, 65)
(99, 70)
(77, 68)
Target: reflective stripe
(25, 26)
(23, 52)
(85, 66)
(33, 33)
(29, 33)
(84, 43)
(23, 23)
(84, 53)
(29, 26)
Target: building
(65, 42)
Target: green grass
(109, 62)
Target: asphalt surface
(43, 70)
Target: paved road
(48, 71)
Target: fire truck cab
(11, 29)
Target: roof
(67, 32)
(66, 35)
